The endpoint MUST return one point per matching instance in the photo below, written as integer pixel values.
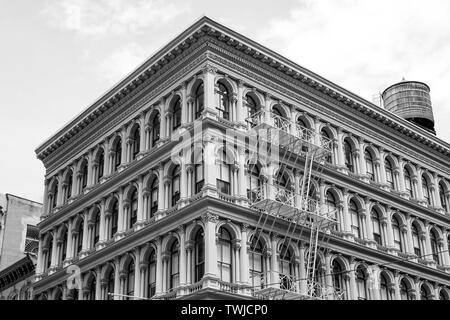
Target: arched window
(252, 109)
(174, 265)
(154, 191)
(424, 293)
(156, 124)
(332, 206)
(48, 257)
(355, 219)
(64, 246)
(408, 183)
(135, 144)
(130, 281)
(152, 275)
(199, 100)
(404, 290)
(397, 234)
(287, 273)
(133, 208)
(256, 264)
(416, 240)
(361, 284)
(348, 153)
(435, 246)
(442, 196)
(224, 101)
(80, 237)
(385, 293)
(117, 149)
(338, 278)
(84, 175)
(54, 198)
(199, 174)
(389, 174)
(370, 168)
(224, 177)
(426, 190)
(176, 185)
(58, 295)
(199, 255)
(176, 119)
(69, 182)
(224, 255)
(114, 218)
(92, 285)
(110, 285)
(96, 229)
(254, 182)
(376, 226)
(326, 137)
(278, 119)
(283, 188)
(443, 295)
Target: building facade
(149, 192)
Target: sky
(58, 56)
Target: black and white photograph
(266, 155)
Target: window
(256, 264)
(54, 198)
(152, 275)
(199, 100)
(114, 218)
(355, 221)
(64, 246)
(199, 255)
(442, 196)
(224, 102)
(361, 284)
(176, 185)
(133, 208)
(404, 291)
(424, 293)
(130, 280)
(49, 252)
(369, 165)
(376, 225)
(331, 206)
(286, 268)
(154, 190)
(252, 109)
(224, 254)
(110, 285)
(199, 175)
(69, 182)
(325, 138)
(84, 175)
(156, 124)
(385, 293)
(174, 266)
(92, 289)
(408, 183)
(101, 165)
(32, 240)
(135, 144)
(254, 183)
(283, 188)
(278, 119)
(389, 174)
(338, 277)
(397, 234)
(80, 237)
(416, 240)
(224, 179)
(117, 154)
(349, 163)
(435, 246)
(426, 190)
(96, 231)
(176, 119)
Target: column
(90, 177)
(209, 85)
(209, 163)
(368, 220)
(142, 145)
(124, 146)
(40, 261)
(117, 279)
(102, 230)
(98, 288)
(46, 202)
(353, 289)
(106, 168)
(242, 184)
(85, 240)
(54, 262)
(240, 104)
(244, 255)
(189, 248)
(184, 104)
(183, 183)
(236, 249)
(428, 242)
(120, 220)
(140, 209)
(59, 198)
(302, 269)
(181, 232)
(382, 167)
(210, 222)
(446, 253)
(436, 197)
(328, 277)
(137, 275)
(397, 285)
(390, 232)
(362, 148)
(409, 242)
(275, 279)
(401, 174)
(341, 158)
(347, 226)
(161, 194)
(159, 266)
(70, 252)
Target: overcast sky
(58, 56)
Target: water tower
(410, 100)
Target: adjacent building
(158, 189)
